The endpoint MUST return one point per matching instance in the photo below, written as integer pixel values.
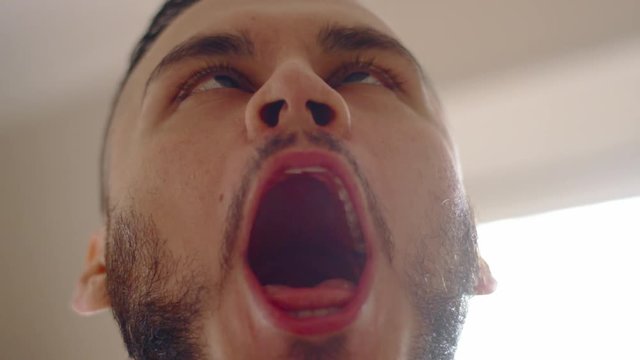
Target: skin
(175, 167)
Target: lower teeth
(302, 314)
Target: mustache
(274, 146)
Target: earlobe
(90, 295)
(485, 283)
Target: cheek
(183, 174)
(410, 168)
(409, 152)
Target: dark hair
(165, 16)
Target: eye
(211, 78)
(366, 72)
(216, 82)
(361, 77)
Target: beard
(156, 299)
(160, 301)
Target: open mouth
(307, 253)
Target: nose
(295, 98)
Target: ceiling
(542, 98)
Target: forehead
(270, 23)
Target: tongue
(329, 293)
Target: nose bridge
(293, 98)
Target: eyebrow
(331, 39)
(223, 44)
(337, 38)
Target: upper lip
(270, 172)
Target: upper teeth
(352, 219)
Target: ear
(90, 295)
(485, 283)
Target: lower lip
(310, 326)
(335, 322)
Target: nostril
(322, 114)
(270, 113)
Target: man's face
(280, 187)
